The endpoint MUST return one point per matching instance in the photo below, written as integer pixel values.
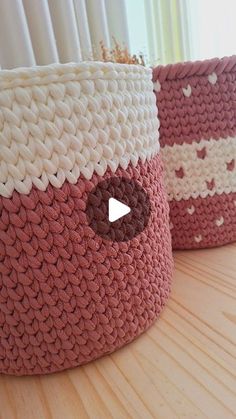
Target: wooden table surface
(183, 367)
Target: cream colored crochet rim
(61, 121)
(87, 70)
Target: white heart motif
(191, 210)
(212, 78)
(198, 238)
(220, 221)
(187, 91)
(157, 86)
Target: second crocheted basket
(67, 295)
(197, 113)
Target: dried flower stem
(120, 54)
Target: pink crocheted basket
(197, 112)
(68, 296)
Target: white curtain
(213, 28)
(39, 32)
(159, 29)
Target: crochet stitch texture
(67, 296)
(197, 112)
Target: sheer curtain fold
(117, 21)
(15, 42)
(65, 30)
(83, 28)
(99, 32)
(39, 32)
(168, 30)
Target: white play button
(116, 209)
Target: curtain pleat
(168, 30)
(65, 30)
(97, 18)
(154, 39)
(41, 31)
(83, 27)
(117, 22)
(185, 43)
(15, 43)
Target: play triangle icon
(116, 210)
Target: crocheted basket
(197, 113)
(68, 296)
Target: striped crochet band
(62, 121)
(196, 101)
(200, 169)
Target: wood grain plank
(24, 398)
(157, 382)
